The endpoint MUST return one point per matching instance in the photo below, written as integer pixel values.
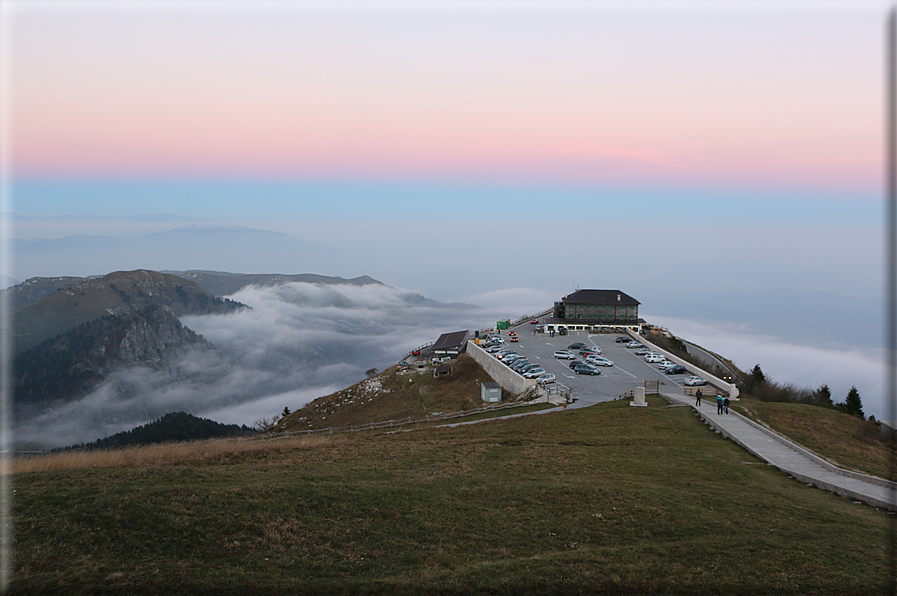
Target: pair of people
(722, 405)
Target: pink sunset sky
(588, 93)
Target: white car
(634, 344)
(693, 381)
(599, 361)
(666, 364)
(654, 358)
(564, 355)
(545, 378)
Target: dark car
(576, 346)
(562, 331)
(675, 370)
(585, 369)
(574, 363)
(622, 339)
(589, 351)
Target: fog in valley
(298, 342)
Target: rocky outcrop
(68, 365)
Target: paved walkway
(793, 458)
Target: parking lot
(629, 371)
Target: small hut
(490, 391)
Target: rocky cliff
(69, 365)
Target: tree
(265, 424)
(371, 372)
(757, 376)
(852, 404)
(286, 412)
(823, 396)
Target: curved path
(792, 458)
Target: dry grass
(167, 454)
(394, 394)
(595, 500)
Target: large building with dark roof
(598, 308)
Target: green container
(503, 324)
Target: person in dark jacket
(726, 405)
(698, 395)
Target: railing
(417, 351)
(531, 317)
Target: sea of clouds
(299, 341)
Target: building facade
(598, 308)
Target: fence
(384, 424)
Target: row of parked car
(521, 365)
(671, 368)
(591, 359)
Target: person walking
(726, 405)
(698, 395)
(719, 404)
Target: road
(629, 371)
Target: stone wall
(509, 380)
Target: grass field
(602, 500)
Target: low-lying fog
(300, 341)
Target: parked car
(654, 358)
(622, 339)
(590, 351)
(585, 369)
(677, 369)
(634, 344)
(576, 346)
(493, 349)
(694, 381)
(642, 352)
(599, 361)
(520, 364)
(564, 355)
(665, 364)
(574, 363)
(504, 356)
(545, 378)
(534, 373)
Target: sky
(703, 157)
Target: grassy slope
(608, 499)
(842, 439)
(395, 395)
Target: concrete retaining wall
(729, 388)
(504, 376)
